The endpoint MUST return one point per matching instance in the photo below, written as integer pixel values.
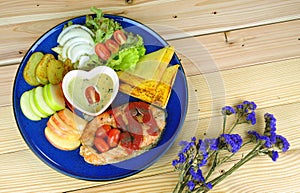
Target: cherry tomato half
(112, 46)
(102, 131)
(120, 37)
(113, 137)
(92, 95)
(102, 51)
(101, 144)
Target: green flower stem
(214, 165)
(224, 123)
(183, 179)
(247, 158)
(235, 123)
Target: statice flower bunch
(198, 159)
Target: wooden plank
(211, 91)
(268, 178)
(21, 26)
(211, 53)
(7, 74)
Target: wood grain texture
(209, 53)
(245, 180)
(22, 22)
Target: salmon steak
(122, 133)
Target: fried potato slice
(41, 69)
(55, 71)
(30, 68)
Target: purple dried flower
(282, 143)
(175, 162)
(191, 185)
(209, 186)
(240, 108)
(203, 161)
(267, 140)
(273, 137)
(197, 176)
(228, 110)
(270, 121)
(274, 155)
(212, 143)
(250, 105)
(233, 142)
(186, 146)
(251, 118)
(182, 158)
(258, 137)
(255, 134)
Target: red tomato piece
(92, 95)
(102, 51)
(113, 137)
(112, 46)
(102, 131)
(120, 37)
(101, 144)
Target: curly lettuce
(101, 26)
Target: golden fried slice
(41, 69)
(30, 68)
(55, 71)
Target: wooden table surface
(231, 51)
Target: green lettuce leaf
(126, 59)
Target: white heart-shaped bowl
(89, 76)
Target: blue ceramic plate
(70, 162)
